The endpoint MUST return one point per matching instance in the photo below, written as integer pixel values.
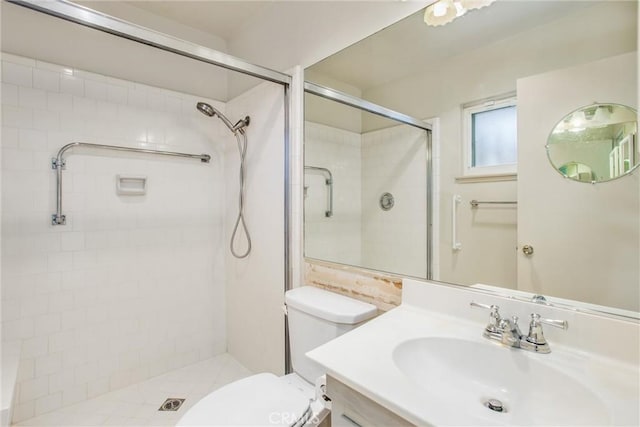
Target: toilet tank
(317, 316)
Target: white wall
(592, 229)
(132, 286)
(394, 160)
(255, 285)
(336, 238)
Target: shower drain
(171, 404)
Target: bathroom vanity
(350, 408)
(427, 363)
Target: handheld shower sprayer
(211, 111)
(206, 109)
(237, 130)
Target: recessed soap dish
(131, 185)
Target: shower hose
(242, 149)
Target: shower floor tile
(137, 405)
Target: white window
(490, 137)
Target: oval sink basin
(459, 377)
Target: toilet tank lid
(329, 305)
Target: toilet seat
(258, 400)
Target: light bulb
(440, 13)
(578, 119)
(439, 9)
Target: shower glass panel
(379, 186)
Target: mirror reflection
(375, 184)
(530, 229)
(595, 143)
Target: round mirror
(595, 143)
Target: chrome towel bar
(58, 163)
(475, 203)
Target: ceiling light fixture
(578, 120)
(444, 11)
(602, 115)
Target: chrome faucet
(507, 332)
(511, 334)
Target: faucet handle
(485, 306)
(562, 324)
(494, 315)
(535, 339)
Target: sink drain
(495, 405)
(171, 404)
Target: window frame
(489, 104)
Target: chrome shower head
(210, 111)
(206, 109)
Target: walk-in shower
(241, 138)
(136, 224)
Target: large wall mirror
(494, 83)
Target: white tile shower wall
(131, 287)
(394, 160)
(336, 238)
(255, 284)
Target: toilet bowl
(315, 317)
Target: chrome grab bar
(329, 182)
(58, 163)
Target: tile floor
(137, 405)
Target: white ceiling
(222, 18)
(410, 45)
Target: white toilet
(315, 317)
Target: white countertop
(363, 360)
